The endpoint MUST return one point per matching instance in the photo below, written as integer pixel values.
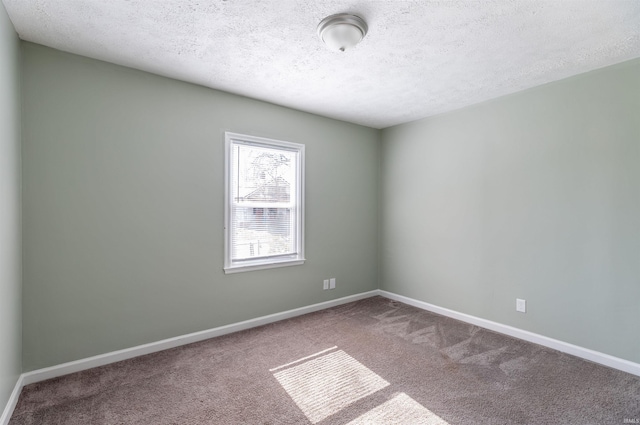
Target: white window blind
(264, 201)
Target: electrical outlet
(521, 305)
(332, 283)
(325, 284)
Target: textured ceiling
(420, 58)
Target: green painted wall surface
(123, 208)
(10, 263)
(535, 195)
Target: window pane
(263, 202)
(264, 199)
(263, 175)
(262, 232)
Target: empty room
(319, 212)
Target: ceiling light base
(342, 31)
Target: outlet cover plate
(521, 305)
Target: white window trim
(265, 263)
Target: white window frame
(234, 266)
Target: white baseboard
(140, 350)
(565, 347)
(13, 400)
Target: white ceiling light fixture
(342, 31)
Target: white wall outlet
(521, 305)
(325, 284)
(332, 283)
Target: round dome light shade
(342, 31)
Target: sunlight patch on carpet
(325, 385)
(303, 359)
(400, 410)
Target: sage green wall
(123, 208)
(10, 263)
(535, 195)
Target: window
(264, 199)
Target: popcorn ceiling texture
(420, 58)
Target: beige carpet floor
(375, 361)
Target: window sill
(249, 267)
